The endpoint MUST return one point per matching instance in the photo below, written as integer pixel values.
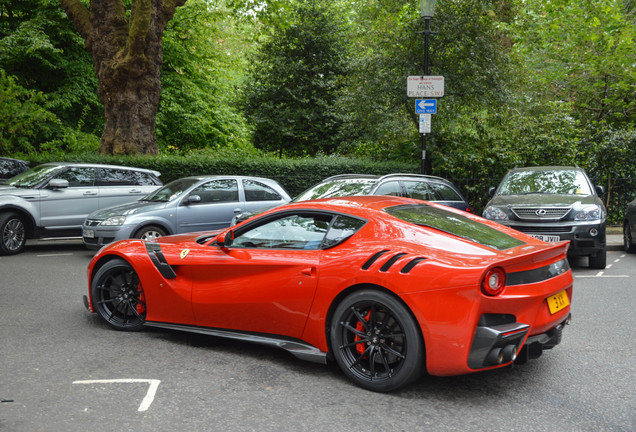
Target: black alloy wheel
(628, 239)
(118, 297)
(13, 234)
(376, 341)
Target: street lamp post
(427, 9)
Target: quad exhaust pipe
(500, 355)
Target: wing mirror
(600, 191)
(193, 199)
(225, 239)
(491, 192)
(58, 184)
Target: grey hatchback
(553, 203)
(52, 200)
(189, 204)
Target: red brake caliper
(142, 300)
(360, 327)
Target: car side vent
(159, 260)
(409, 266)
(373, 259)
(387, 265)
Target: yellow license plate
(558, 301)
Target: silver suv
(189, 204)
(52, 200)
(553, 203)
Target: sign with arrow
(425, 106)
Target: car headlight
(495, 213)
(589, 214)
(114, 221)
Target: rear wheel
(376, 342)
(599, 260)
(118, 297)
(150, 233)
(628, 239)
(12, 234)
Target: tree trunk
(127, 57)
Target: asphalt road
(62, 370)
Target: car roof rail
(345, 176)
(422, 176)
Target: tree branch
(140, 16)
(79, 16)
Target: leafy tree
(295, 79)
(125, 43)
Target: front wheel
(12, 234)
(150, 233)
(598, 261)
(118, 297)
(376, 342)
(628, 239)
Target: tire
(599, 260)
(12, 234)
(628, 239)
(376, 342)
(118, 297)
(149, 233)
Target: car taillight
(494, 282)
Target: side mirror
(491, 192)
(225, 239)
(58, 184)
(600, 191)
(193, 199)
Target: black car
(11, 167)
(629, 228)
(553, 203)
(423, 187)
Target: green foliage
(295, 77)
(200, 76)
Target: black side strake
(387, 265)
(409, 266)
(373, 259)
(159, 260)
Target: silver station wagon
(52, 200)
(189, 204)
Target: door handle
(90, 193)
(134, 191)
(238, 210)
(310, 271)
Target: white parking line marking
(602, 276)
(609, 266)
(150, 395)
(54, 255)
(617, 260)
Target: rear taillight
(494, 282)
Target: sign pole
(427, 32)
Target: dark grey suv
(552, 204)
(52, 200)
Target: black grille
(543, 229)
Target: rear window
(455, 224)
(337, 188)
(124, 177)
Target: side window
(78, 177)
(297, 231)
(417, 190)
(145, 179)
(257, 191)
(341, 229)
(117, 177)
(389, 188)
(217, 191)
(442, 192)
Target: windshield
(171, 191)
(455, 224)
(34, 176)
(338, 188)
(563, 182)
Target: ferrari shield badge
(184, 253)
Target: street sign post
(425, 106)
(425, 86)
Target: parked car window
(442, 192)
(257, 191)
(124, 177)
(389, 188)
(171, 191)
(564, 182)
(34, 176)
(298, 231)
(78, 176)
(337, 188)
(417, 190)
(216, 191)
(341, 229)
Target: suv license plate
(558, 301)
(89, 233)
(547, 238)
